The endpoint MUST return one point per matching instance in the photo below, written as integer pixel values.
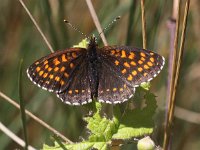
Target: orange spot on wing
(133, 63)
(45, 75)
(70, 91)
(45, 62)
(146, 67)
(49, 69)
(124, 71)
(121, 89)
(57, 78)
(51, 76)
(142, 54)
(114, 89)
(38, 69)
(152, 59)
(130, 77)
(151, 54)
(56, 69)
(64, 59)
(134, 73)
(131, 56)
(145, 74)
(123, 55)
(140, 69)
(71, 65)
(116, 62)
(76, 91)
(62, 82)
(46, 66)
(66, 75)
(74, 55)
(112, 52)
(149, 63)
(41, 73)
(62, 69)
(56, 61)
(142, 58)
(140, 62)
(126, 65)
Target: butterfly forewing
(54, 71)
(132, 65)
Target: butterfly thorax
(94, 67)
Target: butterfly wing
(111, 88)
(58, 73)
(123, 69)
(78, 92)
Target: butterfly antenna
(76, 29)
(115, 20)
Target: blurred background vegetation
(19, 39)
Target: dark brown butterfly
(108, 74)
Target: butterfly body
(108, 74)
(94, 67)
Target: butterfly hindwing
(111, 88)
(132, 65)
(78, 91)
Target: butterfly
(109, 74)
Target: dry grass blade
(143, 25)
(15, 138)
(35, 118)
(22, 106)
(167, 125)
(36, 25)
(179, 58)
(175, 75)
(96, 21)
(187, 115)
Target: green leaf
(137, 122)
(78, 146)
(101, 128)
(82, 44)
(145, 85)
(130, 124)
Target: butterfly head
(92, 42)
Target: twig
(143, 25)
(36, 25)
(174, 80)
(15, 138)
(96, 21)
(144, 41)
(171, 24)
(35, 118)
(179, 59)
(167, 125)
(174, 30)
